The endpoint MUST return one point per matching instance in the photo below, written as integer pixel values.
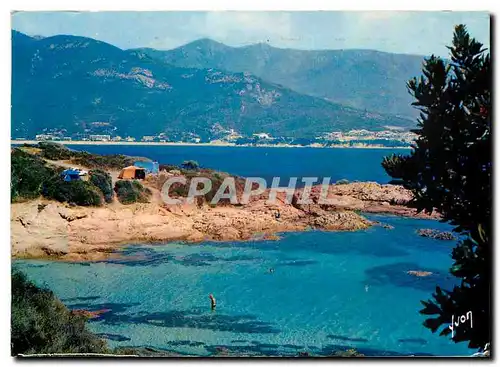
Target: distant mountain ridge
(81, 85)
(363, 79)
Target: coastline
(217, 144)
(43, 229)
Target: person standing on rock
(212, 301)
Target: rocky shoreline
(48, 229)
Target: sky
(421, 33)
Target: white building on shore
(263, 136)
(43, 137)
(100, 137)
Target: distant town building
(117, 138)
(129, 138)
(263, 136)
(233, 135)
(66, 138)
(148, 138)
(100, 137)
(43, 137)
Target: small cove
(328, 291)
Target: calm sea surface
(329, 291)
(337, 163)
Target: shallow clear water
(328, 291)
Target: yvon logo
(460, 321)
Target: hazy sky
(402, 32)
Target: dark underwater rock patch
(437, 235)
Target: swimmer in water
(271, 270)
(366, 288)
(212, 300)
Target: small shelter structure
(74, 174)
(132, 172)
(150, 166)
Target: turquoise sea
(329, 290)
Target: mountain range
(81, 85)
(363, 79)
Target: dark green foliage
(396, 164)
(102, 180)
(179, 190)
(31, 177)
(79, 192)
(97, 161)
(131, 191)
(451, 173)
(342, 182)
(190, 165)
(54, 151)
(28, 173)
(41, 324)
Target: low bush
(28, 174)
(79, 192)
(41, 324)
(129, 192)
(102, 180)
(96, 161)
(342, 182)
(190, 165)
(54, 151)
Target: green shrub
(129, 192)
(396, 164)
(54, 151)
(41, 324)
(450, 171)
(28, 173)
(113, 161)
(79, 192)
(190, 165)
(102, 180)
(179, 190)
(342, 182)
